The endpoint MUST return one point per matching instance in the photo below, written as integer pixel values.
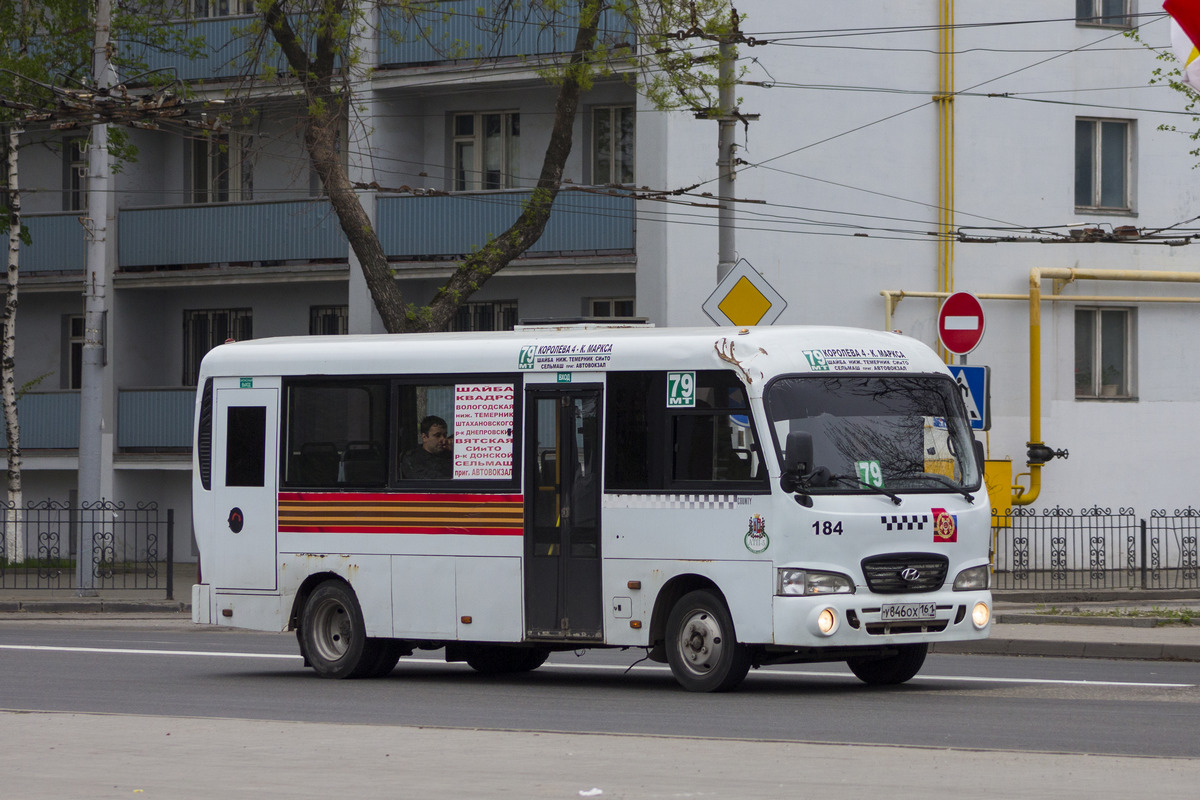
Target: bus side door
(562, 527)
(244, 480)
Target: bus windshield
(892, 433)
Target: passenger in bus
(433, 459)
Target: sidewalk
(1123, 624)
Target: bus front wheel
(702, 648)
(333, 636)
(890, 670)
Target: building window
(204, 329)
(610, 307)
(486, 151)
(500, 315)
(1103, 352)
(222, 169)
(221, 8)
(1106, 13)
(75, 170)
(333, 320)
(73, 352)
(612, 145)
(1103, 159)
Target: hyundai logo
(910, 574)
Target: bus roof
(757, 353)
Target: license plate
(902, 612)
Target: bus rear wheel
(890, 670)
(333, 636)
(702, 648)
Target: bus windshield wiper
(944, 481)
(821, 476)
(854, 480)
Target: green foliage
(46, 42)
(666, 48)
(1169, 74)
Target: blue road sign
(976, 386)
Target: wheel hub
(700, 644)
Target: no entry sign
(960, 323)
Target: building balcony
(454, 32)
(452, 226)
(148, 420)
(427, 228)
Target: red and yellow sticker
(945, 526)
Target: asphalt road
(1038, 705)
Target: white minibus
(725, 498)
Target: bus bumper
(865, 620)
(202, 603)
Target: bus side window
(336, 434)
(651, 447)
(425, 431)
(245, 443)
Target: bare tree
(317, 41)
(23, 69)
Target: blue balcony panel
(49, 421)
(58, 243)
(155, 419)
(222, 53)
(222, 43)
(455, 31)
(419, 228)
(302, 230)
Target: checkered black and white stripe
(705, 501)
(904, 522)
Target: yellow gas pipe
(1039, 453)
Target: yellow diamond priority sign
(744, 298)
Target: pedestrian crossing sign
(975, 385)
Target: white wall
(869, 159)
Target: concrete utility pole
(95, 390)
(727, 173)
(728, 116)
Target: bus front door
(562, 527)
(244, 471)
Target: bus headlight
(972, 578)
(804, 582)
(980, 615)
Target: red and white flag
(1185, 36)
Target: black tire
(890, 670)
(497, 660)
(333, 637)
(702, 647)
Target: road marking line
(602, 667)
(137, 652)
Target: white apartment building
(1029, 127)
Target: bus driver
(433, 459)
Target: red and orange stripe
(354, 512)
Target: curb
(93, 607)
(1068, 619)
(1128, 651)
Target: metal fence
(1096, 548)
(123, 547)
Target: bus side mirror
(798, 453)
(979, 454)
